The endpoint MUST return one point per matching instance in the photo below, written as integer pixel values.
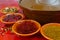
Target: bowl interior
(26, 28)
(51, 31)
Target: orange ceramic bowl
(51, 25)
(9, 12)
(25, 27)
(11, 22)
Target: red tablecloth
(5, 3)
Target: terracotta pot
(15, 26)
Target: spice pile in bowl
(7, 10)
(26, 27)
(51, 31)
(11, 18)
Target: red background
(6, 3)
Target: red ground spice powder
(26, 27)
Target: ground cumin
(52, 32)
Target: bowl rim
(22, 17)
(42, 32)
(38, 24)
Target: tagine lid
(41, 5)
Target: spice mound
(7, 10)
(12, 18)
(26, 27)
(52, 31)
